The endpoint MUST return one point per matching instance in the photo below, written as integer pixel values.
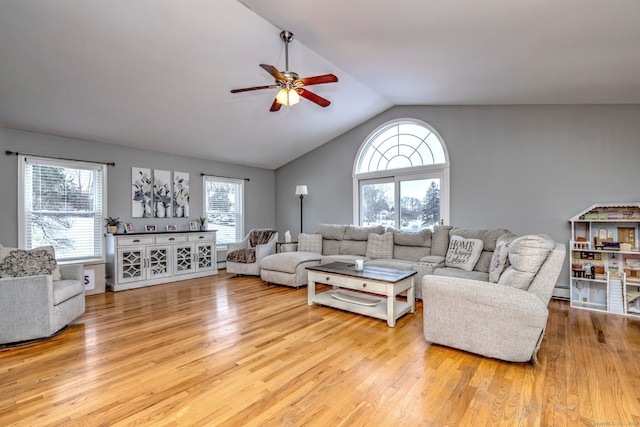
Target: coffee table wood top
(391, 275)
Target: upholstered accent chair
(243, 258)
(37, 299)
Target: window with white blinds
(63, 205)
(224, 207)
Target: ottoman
(288, 268)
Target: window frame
(70, 164)
(240, 222)
(439, 171)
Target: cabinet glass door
(131, 264)
(159, 261)
(206, 256)
(183, 259)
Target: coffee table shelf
(379, 311)
(384, 283)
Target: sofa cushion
(287, 261)
(499, 259)
(410, 253)
(412, 238)
(16, 262)
(526, 256)
(331, 247)
(310, 243)
(66, 289)
(353, 247)
(380, 246)
(331, 231)
(353, 232)
(411, 245)
(440, 240)
(463, 253)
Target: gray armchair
(243, 258)
(36, 307)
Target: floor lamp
(301, 190)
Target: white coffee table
(381, 284)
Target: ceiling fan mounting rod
(286, 37)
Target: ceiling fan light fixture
(287, 97)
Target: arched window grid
(390, 142)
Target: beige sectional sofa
(423, 251)
(484, 291)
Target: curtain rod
(16, 153)
(220, 176)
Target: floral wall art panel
(162, 193)
(141, 194)
(181, 194)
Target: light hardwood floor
(235, 351)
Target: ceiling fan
(290, 85)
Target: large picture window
(401, 177)
(224, 207)
(62, 205)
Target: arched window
(401, 177)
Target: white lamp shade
(287, 97)
(301, 190)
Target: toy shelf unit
(605, 258)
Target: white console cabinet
(145, 259)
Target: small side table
(286, 247)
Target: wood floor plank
(235, 351)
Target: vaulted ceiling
(156, 74)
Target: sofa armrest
(266, 249)
(72, 272)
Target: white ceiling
(156, 74)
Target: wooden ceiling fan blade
(317, 80)
(275, 106)
(313, 97)
(273, 71)
(247, 89)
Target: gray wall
(525, 168)
(259, 191)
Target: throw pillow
(463, 253)
(310, 243)
(21, 263)
(526, 255)
(499, 259)
(380, 246)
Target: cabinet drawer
(171, 238)
(366, 285)
(201, 237)
(330, 279)
(351, 282)
(135, 240)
